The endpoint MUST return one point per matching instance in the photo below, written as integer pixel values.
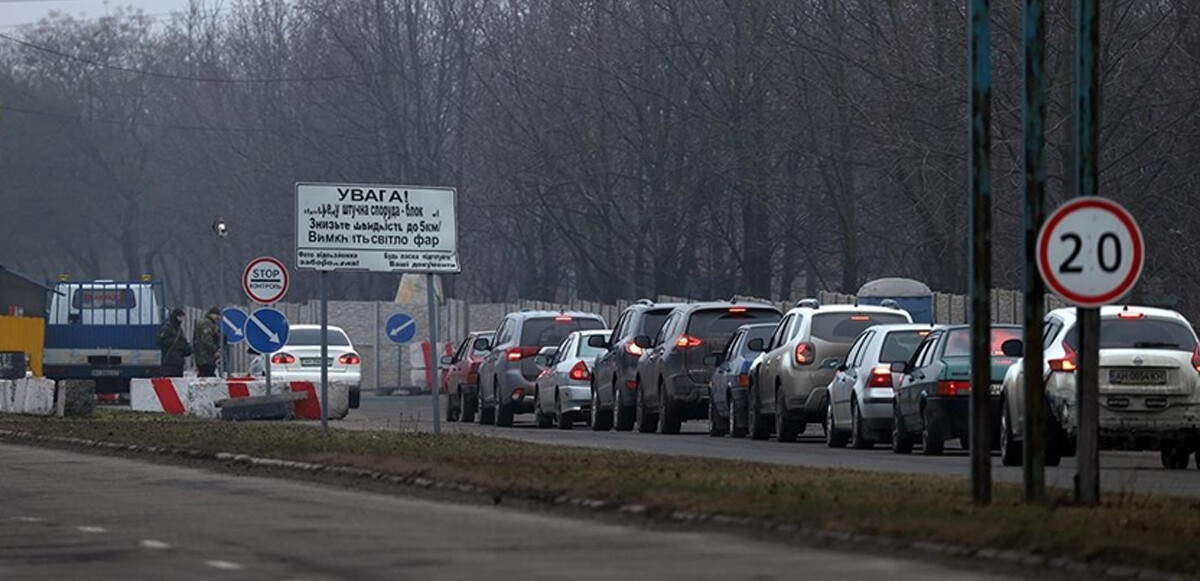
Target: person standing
(207, 341)
(173, 345)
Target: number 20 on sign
(1090, 251)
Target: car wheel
(1010, 448)
(717, 425)
(564, 421)
(602, 420)
(542, 420)
(735, 430)
(487, 413)
(901, 440)
(858, 435)
(932, 443)
(787, 428)
(452, 410)
(504, 412)
(834, 438)
(670, 420)
(647, 421)
(467, 405)
(759, 428)
(1175, 456)
(624, 417)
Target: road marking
(91, 530)
(153, 544)
(28, 519)
(224, 565)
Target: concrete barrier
(30, 396)
(198, 396)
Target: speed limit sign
(1090, 251)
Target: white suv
(1149, 385)
(788, 382)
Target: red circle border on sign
(1135, 235)
(246, 279)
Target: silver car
(563, 392)
(1149, 385)
(861, 393)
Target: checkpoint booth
(22, 316)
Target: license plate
(997, 388)
(1137, 376)
(106, 372)
(313, 361)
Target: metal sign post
(435, 387)
(979, 130)
(324, 354)
(1034, 427)
(1087, 150)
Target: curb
(1007, 557)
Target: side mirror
(482, 344)
(447, 359)
(900, 367)
(642, 341)
(597, 341)
(1013, 348)
(831, 363)
(757, 344)
(542, 360)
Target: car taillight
(953, 387)
(806, 353)
(350, 359)
(1196, 357)
(688, 342)
(282, 359)
(632, 349)
(881, 376)
(1130, 315)
(743, 380)
(519, 353)
(579, 372)
(1067, 363)
(563, 319)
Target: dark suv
(615, 371)
(672, 374)
(508, 371)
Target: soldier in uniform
(173, 345)
(207, 341)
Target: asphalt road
(1139, 472)
(72, 516)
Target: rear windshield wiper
(1155, 345)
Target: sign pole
(979, 130)
(434, 357)
(1034, 469)
(324, 353)
(1087, 115)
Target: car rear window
(958, 343)
(899, 346)
(763, 333)
(652, 321)
(845, 327)
(313, 337)
(716, 326)
(547, 331)
(1140, 334)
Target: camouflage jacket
(206, 340)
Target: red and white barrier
(199, 396)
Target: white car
(563, 390)
(300, 359)
(1149, 385)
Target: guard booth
(912, 295)
(22, 316)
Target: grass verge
(1136, 531)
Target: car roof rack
(810, 303)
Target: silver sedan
(562, 392)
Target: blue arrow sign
(233, 321)
(401, 328)
(266, 330)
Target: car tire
(602, 420)
(647, 422)
(504, 415)
(902, 442)
(858, 435)
(717, 426)
(834, 438)
(487, 413)
(564, 421)
(1010, 448)
(759, 427)
(932, 442)
(540, 419)
(1175, 456)
(787, 428)
(467, 405)
(452, 409)
(670, 419)
(735, 431)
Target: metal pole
(434, 357)
(979, 131)
(1034, 472)
(224, 367)
(375, 351)
(1087, 115)
(324, 353)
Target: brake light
(860, 318)
(519, 353)
(806, 353)
(1130, 315)
(283, 359)
(737, 309)
(632, 348)
(1196, 357)
(743, 380)
(350, 359)
(1067, 363)
(881, 376)
(688, 341)
(579, 372)
(563, 319)
(953, 388)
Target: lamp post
(221, 229)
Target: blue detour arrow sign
(266, 330)
(401, 328)
(233, 323)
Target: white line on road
(153, 544)
(91, 530)
(224, 565)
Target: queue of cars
(864, 374)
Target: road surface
(1140, 472)
(74, 516)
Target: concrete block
(13, 364)
(202, 395)
(6, 396)
(309, 408)
(39, 395)
(80, 396)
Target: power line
(174, 77)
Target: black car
(674, 372)
(615, 370)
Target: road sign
(401, 328)
(266, 330)
(377, 228)
(265, 280)
(1090, 251)
(233, 323)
